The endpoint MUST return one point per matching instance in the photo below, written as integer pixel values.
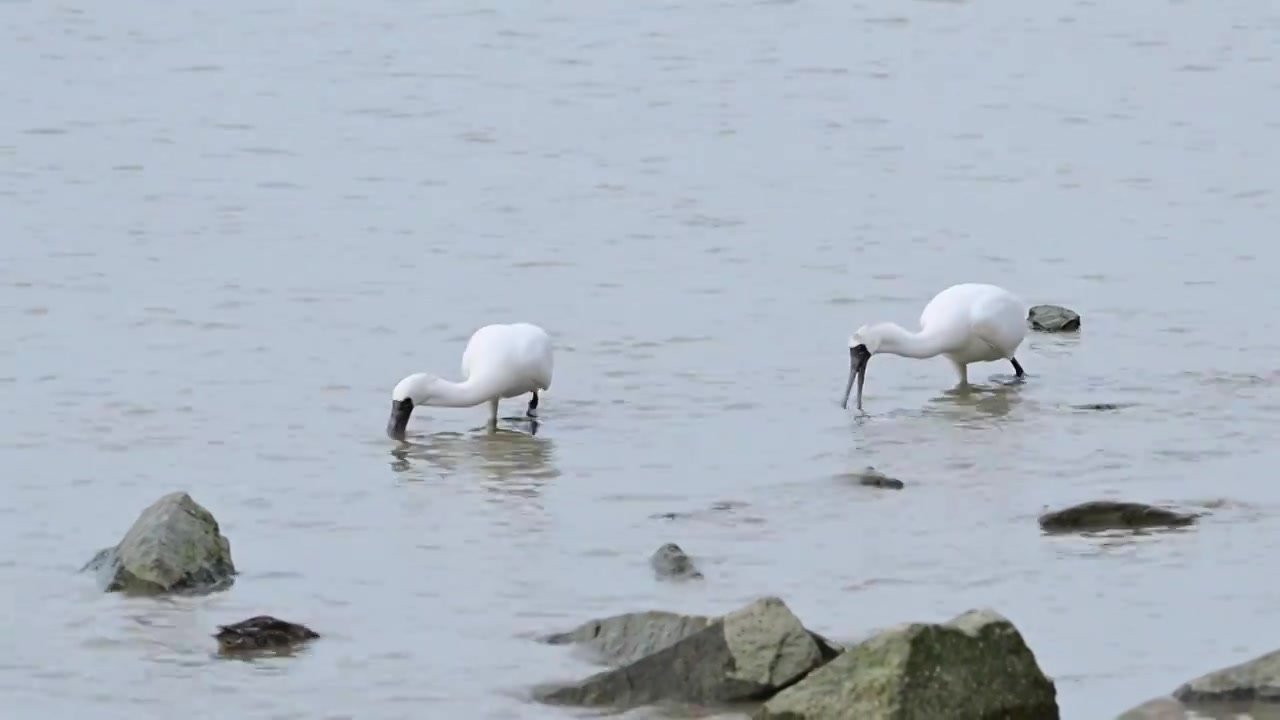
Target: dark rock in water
(669, 561)
(174, 546)
(1256, 680)
(1109, 515)
(976, 666)
(872, 477)
(262, 633)
(1053, 318)
(747, 654)
(1097, 406)
(623, 639)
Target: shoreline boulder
(1254, 680)
(618, 640)
(1053, 318)
(747, 654)
(1113, 515)
(974, 667)
(175, 546)
(1250, 688)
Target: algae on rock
(975, 667)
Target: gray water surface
(229, 229)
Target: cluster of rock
(974, 666)
(176, 547)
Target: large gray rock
(1256, 680)
(1167, 708)
(1162, 708)
(975, 667)
(1053, 318)
(747, 654)
(1249, 689)
(622, 639)
(1113, 515)
(174, 546)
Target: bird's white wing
(518, 347)
(998, 319)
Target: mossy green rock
(175, 546)
(975, 667)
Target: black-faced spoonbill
(966, 323)
(500, 361)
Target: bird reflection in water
(506, 456)
(993, 401)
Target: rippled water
(229, 229)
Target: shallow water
(230, 229)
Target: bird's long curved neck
(468, 393)
(897, 340)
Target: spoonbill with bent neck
(966, 323)
(500, 361)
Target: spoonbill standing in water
(500, 361)
(966, 323)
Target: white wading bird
(966, 323)
(500, 361)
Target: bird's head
(864, 343)
(416, 389)
(869, 337)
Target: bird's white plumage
(499, 361)
(966, 323)
(518, 355)
(977, 322)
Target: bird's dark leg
(1017, 369)
(533, 406)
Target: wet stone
(175, 546)
(621, 639)
(1113, 515)
(671, 562)
(747, 654)
(262, 633)
(1053, 318)
(1256, 680)
(871, 477)
(976, 666)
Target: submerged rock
(872, 477)
(670, 561)
(174, 546)
(1256, 680)
(262, 632)
(976, 666)
(1113, 515)
(1053, 318)
(747, 654)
